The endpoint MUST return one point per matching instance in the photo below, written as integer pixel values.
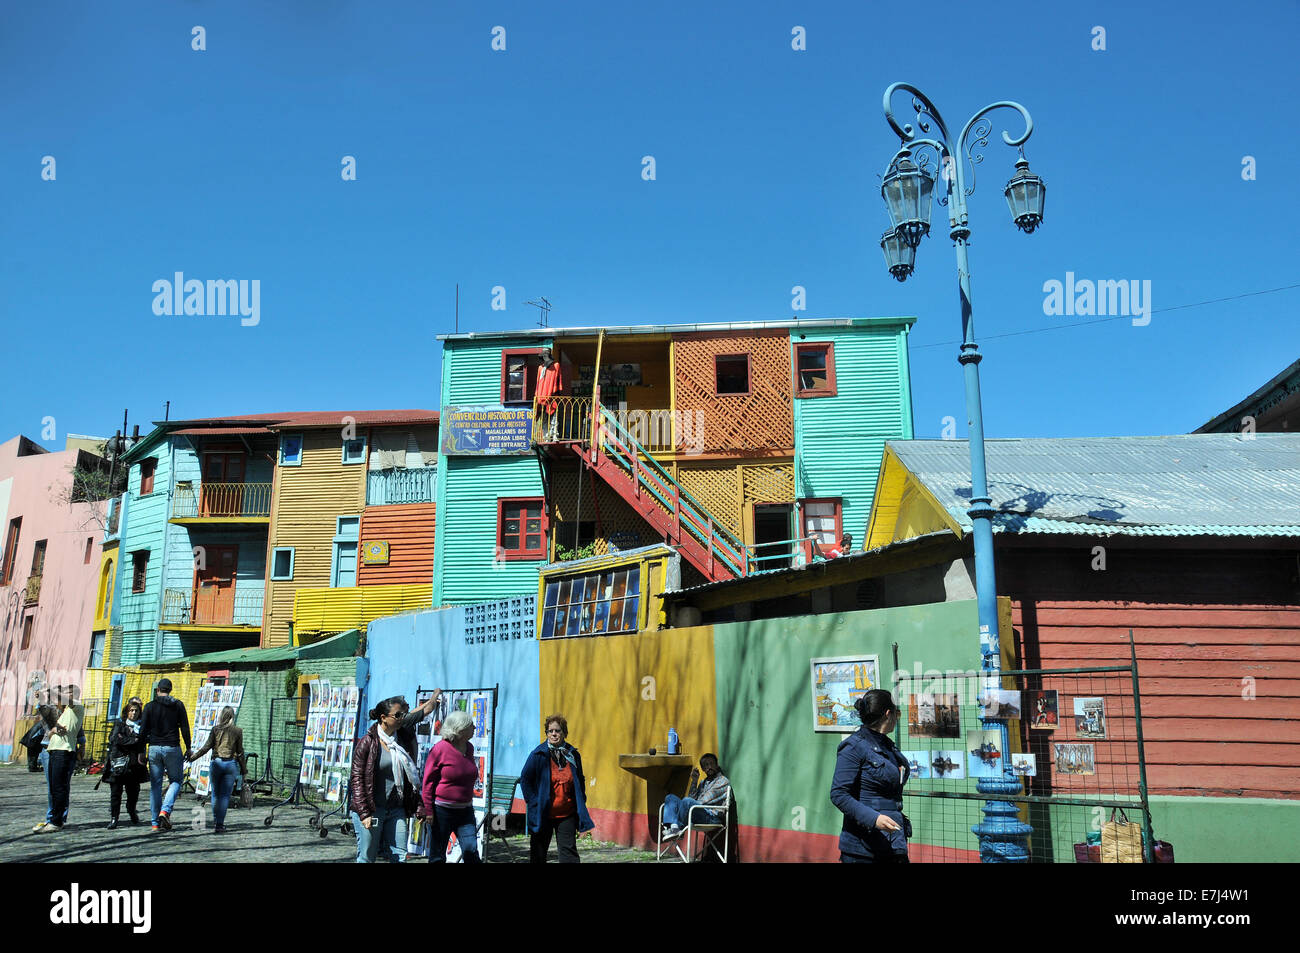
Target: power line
(1080, 324)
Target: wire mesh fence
(1058, 750)
(285, 735)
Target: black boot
(112, 825)
(135, 818)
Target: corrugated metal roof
(336, 646)
(219, 431)
(369, 417)
(676, 328)
(1183, 485)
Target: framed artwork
(350, 725)
(1090, 718)
(919, 764)
(1040, 709)
(933, 715)
(947, 765)
(999, 703)
(333, 786)
(1075, 759)
(838, 682)
(1024, 765)
(985, 749)
(347, 754)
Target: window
(354, 451)
(822, 520)
(96, 651)
(595, 604)
(282, 562)
(815, 370)
(106, 590)
(29, 623)
(38, 557)
(139, 569)
(732, 374)
(147, 468)
(519, 375)
(11, 551)
(521, 529)
(114, 515)
(90, 545)
(343, 569)
(304, 696)
(291, 450)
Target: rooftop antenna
(544, 308)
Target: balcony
(221, 503)
(32, 594)
(337, 610)
(214, 606)
(401, 485)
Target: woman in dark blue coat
(868, 786)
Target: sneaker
(672, 831)
(153, 828)
(164, 821)
(50, 828)
(40, 827)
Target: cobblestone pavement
(288, 840)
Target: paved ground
(247, 839)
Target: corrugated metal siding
(308, 501)
(336, 610)
(474, 370)
(409, 530)
(146, 529)
(841, 439)
(467, 537)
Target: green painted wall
(465, 568)
(1235, 830)
(839, 440)
(775, 760)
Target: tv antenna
(544, 308)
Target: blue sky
(522, 169)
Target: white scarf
(403, 766)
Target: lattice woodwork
(768, 483)
(763, 419)
(615, 515)
(718, 491)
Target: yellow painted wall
(308, 500)
(597, 684)
(903, 508)
(108, 565)
(185, 686)
(337, 610)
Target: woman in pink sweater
(448, 790)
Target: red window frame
(803, 520)
(530, 380)
(11, 550)
(147, 469)
(829, 389)
(139, 570)
(521, 552)
(749, 375)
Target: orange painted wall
(408, 528)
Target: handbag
(1121, 840)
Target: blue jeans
(387, 832)
(58, 783)
(71, 766)
(162, 758)
(677, 810)
(221, 776)
(461, 822)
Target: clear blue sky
(523, 169)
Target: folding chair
(693, 827)
(500, 800)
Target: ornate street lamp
(1003, 837)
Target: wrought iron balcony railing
(32, 595)
(402, 485)
(214, 604)
(226, 501)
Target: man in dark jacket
(165, 724)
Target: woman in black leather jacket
(126, 742)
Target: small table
(663, 774)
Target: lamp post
(908, 189)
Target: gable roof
(1184, 485)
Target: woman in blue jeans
(447, 793)
(384, 788)
(227, 744)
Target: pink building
(49, 564)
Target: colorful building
(193, 554)
(1189, 542)
(49, 561)
(352, 523)
(726, 441)
(1273, 408)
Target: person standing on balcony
(165, 724)
(549, 386)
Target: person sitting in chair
(714, 789)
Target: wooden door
(223, 485)
(214, 587)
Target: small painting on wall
(837, 683)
